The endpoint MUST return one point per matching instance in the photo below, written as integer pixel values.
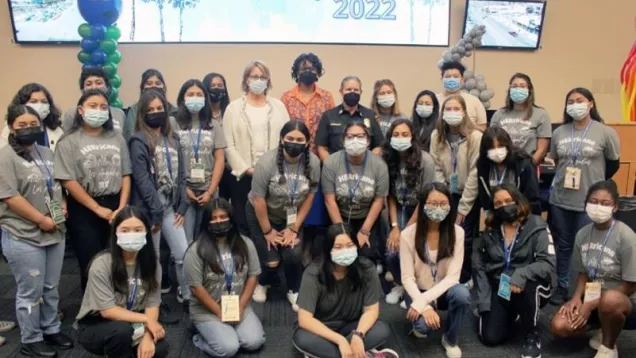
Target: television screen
(394, 22)
(509, 24)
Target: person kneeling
(222, 269)
(122, 283)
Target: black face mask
(507, 213)
(351, 99)
(216, 94)
(221, 228)
(294, 149)
(155, 120)
(28, 136)
(307, 78)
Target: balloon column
(474, 83)
(628, 86)
(99, 40)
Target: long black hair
(184, 117)
(207, 81)
(142, 111)
(503, 138)
(354, 271)
(423, 127)
(13, 112)
(23, 96)
(590, 97)
(78, 120)
(208, 249)
(446, 227)
(293, 125)
(412, 162)
(146, 257)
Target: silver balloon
(454, 50)
(467, 37)
(447, 56)
(468, 53)
(473, 32)
(461, 50)
(440, 63)
(487, 94)
(486, 104)
(481, 85)
(469, 46)
(468, 74)
(479, 77)
(456, 57)
(469, 83)
(474, 92)
(476, 42)
(460, 43)
(482, 27)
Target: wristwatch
(358, 333)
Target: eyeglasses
(356, 136)
(434, 205)
(264, 78)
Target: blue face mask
(194, 104)
(451, 83)
(518, 95)
(400, 144)
(344, 257)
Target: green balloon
(83, 57)
(114, 94)
(115, 81)
(110, 69)
(113, 32)
(114, 57)
(117, 103)
(108, 46)
(84, 30)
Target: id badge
(138, 333)
(55, 208)
(292, 214)
(504, 287)
(572, 178)
(592, 291)
(454, 183)
(197, 172)
(230, 310)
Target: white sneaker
(469, 285)
(179, 295)
(292, 297)
(451, 351)
(394, 297)
(388, 276)
(379, 268)
(596, 340)
(403, 305)
(260, 294)
(604, 352)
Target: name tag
(138, 333)
(572, 178)
(292, 214)
(230, 309)
(197, 172)
(55, 208)
(592, 291)
(454, 183)
(504, 287)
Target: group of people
(329, 202)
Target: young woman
(202, 141)
(605, 275)
(222, 269)
(93, 164)
(431, 257)
(385, 104)
(410, 169)
(285, 180)
(455, 150)
(514, 269)
(355, 183)
(425, 116)
(159, 179)
(339, 303)
(529, 125)
(32, 215)
(501, 162)
(585, 151)
(119, 311)
(251, 125)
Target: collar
(357, 112)
(295, 92)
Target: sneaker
(394, 297)
(604, 352)
(559, 296)
(38, 349)
(388, 276)
(260, 294)
(379, 268)
(292, 297)
(403, 305)
(166, 287)
(167, 315)
(382, 353)
(531, 346)
(2, 340)
(451, 351)
(6, 326)
(596, 340)
(179, 295)
(469, 285)
(419, 335)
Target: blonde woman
(385, 104)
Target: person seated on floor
(514, 267)
(603, 260)
(120, 309)
(431, 258)
(339, 303)
(222, 269)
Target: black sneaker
(38, 349)
(167, 315)
(166, 287)
(531, 346)
(559, 297)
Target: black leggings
(240, 189)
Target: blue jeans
(220, 339)
(564, 224)
(192, 220)
(457, 302)
(393, 257)
(37, 273)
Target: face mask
(423, 110)
(386, 101)
(155, 120)
(258, 86)
(95, 118)
(578, 111)
(518, 95)
(507, 213)
(497, 155)
(599, 213)
(451, 83)
(344, 257)
(194, 104)
(28, 136)
(436, 214)
(131, 241)
(43, 109)
(294, 149)
(307, 78)
(355, 146)
(400, 144)
(351, 99)
(221, 228)
(453, 119)
(216, 95)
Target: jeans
(457, 302)
(393, 257)
(564, 224)
(220, 339)
(37, 273)
(471, 230)
(312, 345)
(240, 189)
(192, 219)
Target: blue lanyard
(195, 145)
(352, 191)
(454, 150)
(46, 138)
(575, 152)
(133, 293)
(593, 272)
(166, 149)
(508, 249)
(47, 173)
(433, 265)
(229, 273)
(503, 176)
(294, 186)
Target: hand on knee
(273, 264)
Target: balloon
(440, 63)
(109, 46)
(117, 103)
(474, 92)
(114, 57)
(114, 94)
(461, 49)
(457, 57)
(115, 81)
(470, 83)
(89, 45)
(98, 57)
(468, 53)
(97, 32)
(103, 12)
(479, 77)
(469, 46)
(84, 30)
(110, 69)
(113, 32)
(476, 42)
(460, 43)
(486, 95)
(468, 74)
(486, 104)
(447, 56)
(83, 57)
(481, 85)
(482, 28)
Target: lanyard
(133, 292)
(229, 273)
(166, 149)
(592, 273)
(294, 186)
(47, 173)
(432, 264)
(195, 145)
(575, 152)
(508, 249)
(352, 191)
(46, 138)
(503, 176)
(454, 150)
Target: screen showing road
(509, 24)
(400, 22)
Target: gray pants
(37, 273)
(220, 339)
(192, 221)
(312, 345)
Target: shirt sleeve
(64, 160)
(126, 166)
(309, 291)
(314, 164)
(480, 113)
(576, 262)
(428, 169)
(612, 144)
(322, 134)
(254, 265)
(219, 137)
(329, 176)
(100, 288)
(407, 264)
(382, 184)
(260, 180)
(372, 288)
(8, 179)
(154, 297)
(193, 267)
(627, 254)
(496, 117)
(544, 130)
(554, 154)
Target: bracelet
(293, 230)
(268, 231)
(358, 333)
(365, 232)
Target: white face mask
(599, 213)
(43, 109)
(578, 111)
(355, 146)
(497, 155)
(423, 110)
(257, 86)
(131, 241)
(386, 101)
(453, 119)
(95, 118)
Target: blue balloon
(98, 57)
(102, 12)
(97, 32)
(89, 45)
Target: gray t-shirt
(600, 144)
(617, 262)
(372, 184)
(119, 118)
(524, 133)
(100, 291)
(426, 174)
(198, 274)
(28, 179)
(265, 184)
(343, 304)
(167, 176)
(98, 163)
(211, 139)
(385, 121)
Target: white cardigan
(239, 146)
(54, 136)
